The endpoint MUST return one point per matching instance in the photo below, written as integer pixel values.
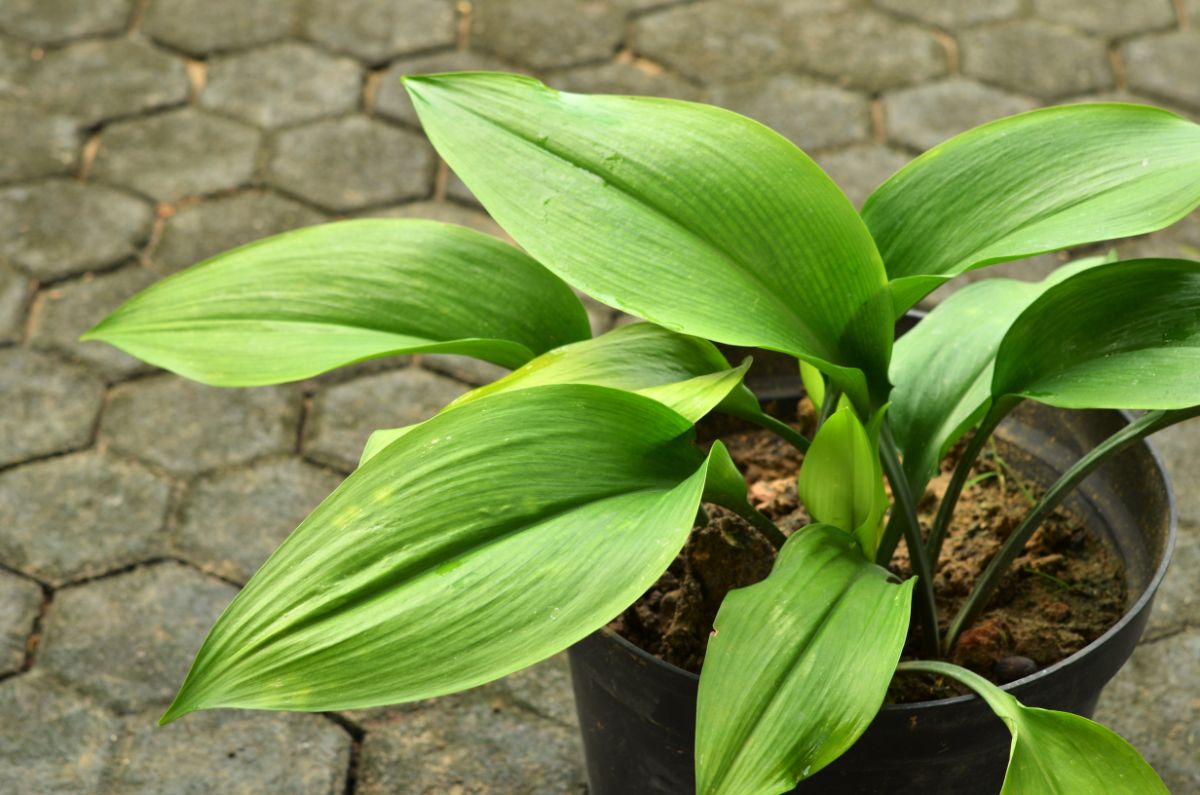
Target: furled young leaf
(1058, 753)
(693, 217)
(482, 541)
(798, 666)
(1124, 335)
(301, 303)
(1040, 181)
(942, 369)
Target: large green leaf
(484, 540)
(1123, 335)
(798, 666)
(303, 302)
(693, 217)
(1040, 181)
(1058, 753)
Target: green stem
(986, 585)
(766, 527)
(782, 429)
(829, 405)
(889, 540)
(937, 536)
(906, 508)
(996, 698)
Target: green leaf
(698, 219)
(484, 540)
(301, 303)
(814, 384)
(1057, 753)
(1037, 182)
(1123, 335)
(798, 666)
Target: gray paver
(379, 30)
(1181, 240)
(1178, 447)
(281, 85)
(1065, 63)
(20, 601)
(1108, 17)
(53, 21)
(36, 144)
(954, 13)
(549, 35)
(446, 212)
(1154, 704)
(232, 521)
(197, 232)
(201, 27)
(867, 50)
(128, 640)
(232, 751)
(65, 311)
(50, 406)
(15, 292)
(391, 100)
(1156, 65)
(624, 76)
(859, 170)
(15, 63)
(457, 189)
(104, 79)
(346, 414)
(51, 741)
(351, 163)
(1177, 605)
(61, 227)
(466, 369)
(187, 428)
(181, 153)
(813, 115)
(80, 515)
(924, 116)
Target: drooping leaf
(698, 219)
(1036, 182)
(798, 666)
(301, 303)
(482, 541)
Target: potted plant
(530, 512)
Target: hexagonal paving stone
(346, 414)
(128, 640)
(1154, 64)
(379, 30)
(466, 369)
(548, 35)
(53, 21)
(391, 100)
(62, 227)
(198, 232)
(446, 212)
(15, 291)
(52, 742)
(1177, 605)
(859, 170)
(15, 63)
(351, 163)
(80, 515)
(20, 601)
(1178, 446)
(624, 76)
(95, 81)
(867, 50)
(924, 116)
(232, 521)
(281, 84)
(1036, 58)
(201, 27)
(814, 115)
(954, 13)
(181, 153)
(65, 311)
(1153, 703)
(187, 428)
(49, 406)
(232, 751)
(35, 144)
(1108, 17)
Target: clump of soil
(1064, 591)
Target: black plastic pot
(637, 713)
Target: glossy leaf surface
(298, 304)
(693, 217)
(798, 666)
(1036, 182)
(484, 540)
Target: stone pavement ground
(139, 136)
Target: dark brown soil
(1062, 593)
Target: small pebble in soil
(1014, 667)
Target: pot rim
(1136, 608)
